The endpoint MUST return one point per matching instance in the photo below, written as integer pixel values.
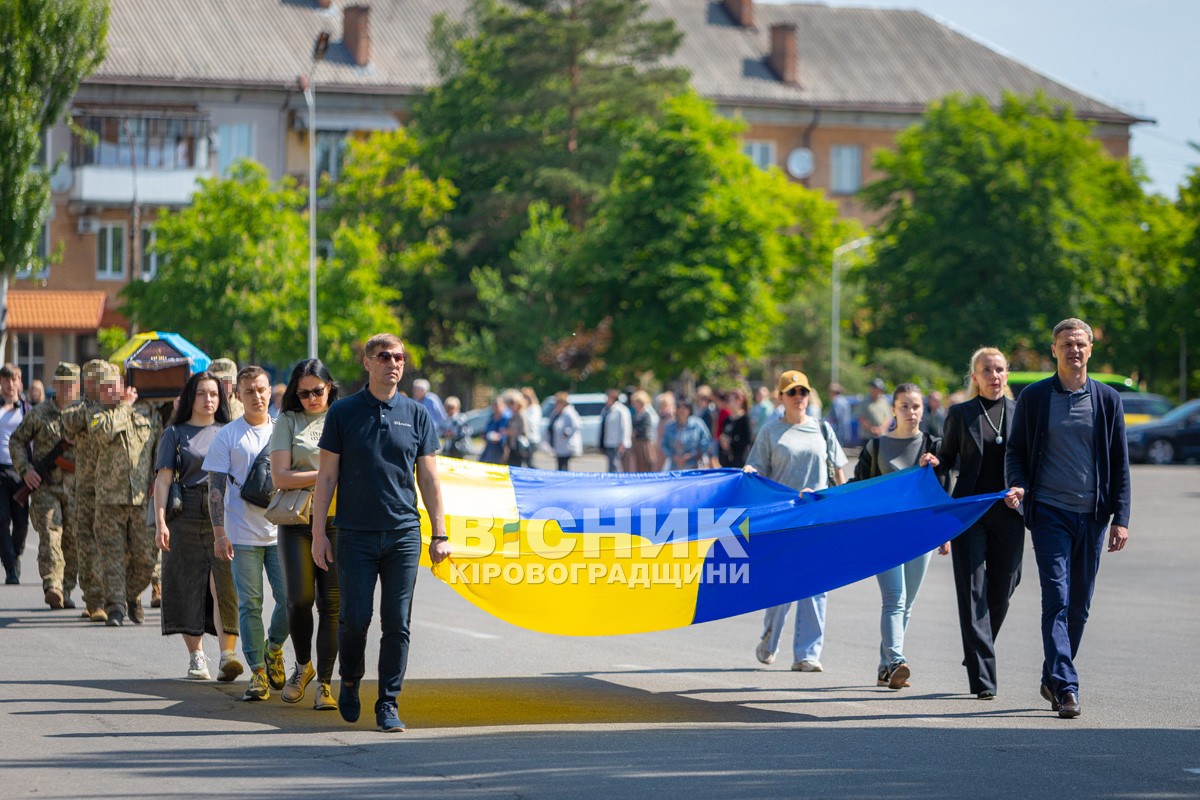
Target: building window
(761, 153)
(846, 167)
(30, 355)
(331, 149)
(151, 142)
(234, 140)
(43, 253)
(110, 252)
(149, 254)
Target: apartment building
(189, 87)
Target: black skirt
(187, 600)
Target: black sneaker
(348, 703)
(387, 719)
(116, 618)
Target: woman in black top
(987, 556)
(735, 438)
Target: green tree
(535, 101)
(233, 276)
(382, 188)
(46, 48)
(693, 248)
(523, 312)
(1185, 294)
(999, 222)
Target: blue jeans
(249, 563)
(898, 587)
(809, 637)
(1067, 545)
(392, 557)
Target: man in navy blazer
(1068, 463)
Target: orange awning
(50, 312)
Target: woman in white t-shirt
(295, 458)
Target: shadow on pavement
(425, 704)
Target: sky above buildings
(1138, 55)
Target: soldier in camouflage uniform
(125, 434)
(226, 369)
(51, 499)
(83, 511)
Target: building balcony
(111, 185)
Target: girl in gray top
(903, 447)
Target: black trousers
(14, 522)
(987, 568)
(306, 585)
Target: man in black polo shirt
(376, 448)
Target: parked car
(1141, 407)
(477, 421)
(588, 406)
(1173, 437)
(1122, 383)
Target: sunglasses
(797, 390)
(386, 356)
(304, 394)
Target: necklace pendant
(999, 439)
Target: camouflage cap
(92, 369)
(66, 371)
(224, 368)
(107, 371)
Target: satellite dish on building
(62, 178)
(800, 163)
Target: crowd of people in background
(204, 495)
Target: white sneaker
(198, 667)
(230, 667)
(293, 690)
(808, 665)
(762, 653)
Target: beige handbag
(290, 507)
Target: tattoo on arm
(216, 498)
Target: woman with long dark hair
(905, 445)
(198, 595)
(295, 458)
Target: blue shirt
(684, 446)
(378, 444)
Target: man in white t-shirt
(242, 533)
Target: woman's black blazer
(962, 442)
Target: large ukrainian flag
(589, 554)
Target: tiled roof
(50, 311)
(852, 58)
(267, 43)
(858, 58)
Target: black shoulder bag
(258, 488)
(175, 494)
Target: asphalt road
(494, 711)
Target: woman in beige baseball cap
(801, 452)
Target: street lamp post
(309, 84)
(835, 315)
